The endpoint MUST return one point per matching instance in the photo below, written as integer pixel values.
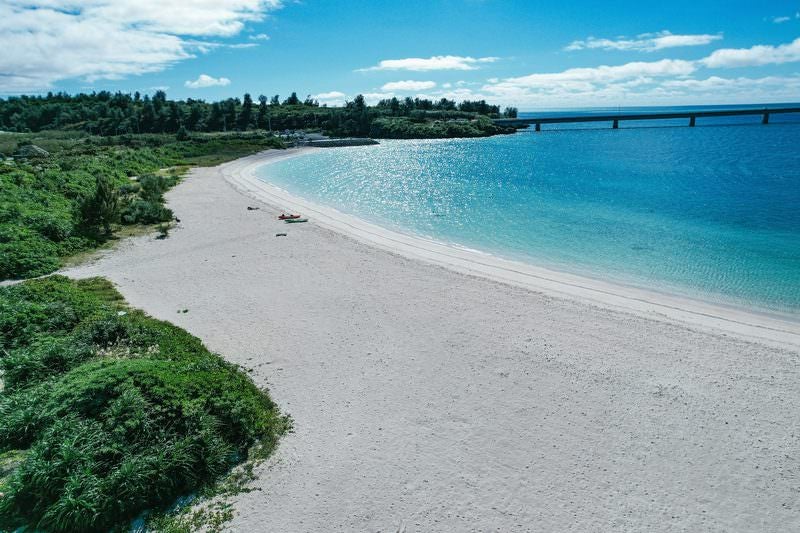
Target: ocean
(710, 212)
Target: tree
(292, 100)
(247, 112)
(510, 112)
(194, 120)
(182, 134)
(359, 103)
(262, 120)
(215, 118)
(102, 208)
(228, 114)
(275, 100)
(148, 121)
(173, 118)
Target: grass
(107, 413)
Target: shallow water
(709, 212)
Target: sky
(532, 54)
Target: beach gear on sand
(284, 216)
(294, 220)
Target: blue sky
(532, 54)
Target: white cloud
(331, 98)
(667, 82)
(584, 78)
(717, 83)
(637, 91)
(645, 42)
(753, 56)
(110, 39)
(259, 37)
(329, 95)
(408, 85)
(338, 98)
(187, 17)
(419, 64)
(204, 80)
(781, 20)
(374, 98)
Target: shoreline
(752, 324)
(424, 399)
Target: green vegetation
(106, 413)
(108, 114)
(72, 182)
(71, 198)
(408, 128)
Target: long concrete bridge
(616, 119)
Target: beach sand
(428, 398)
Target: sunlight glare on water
(708, 211)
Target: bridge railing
(617, 118)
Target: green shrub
(102, 207)
(27, 254)
(119, 413)
(145, 212)
(46, 357)
(51, 306)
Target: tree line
(105, 113)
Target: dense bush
(140, 211)
(115, 412)
(24, 252)
(409, 128)
(144, 203)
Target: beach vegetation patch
(107, 413)
(89, 187)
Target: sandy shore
(428, 399)
(775, 329)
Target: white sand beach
(436, 389)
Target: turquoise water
(710, 212)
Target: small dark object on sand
(253, 208)
(280, 235)
(177, 220)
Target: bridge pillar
(538, 126)
(691, 121)
(765, 120)
(615, 125)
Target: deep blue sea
(711, 212)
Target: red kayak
(288, 217)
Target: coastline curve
(772, 330)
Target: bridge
(616, 119)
